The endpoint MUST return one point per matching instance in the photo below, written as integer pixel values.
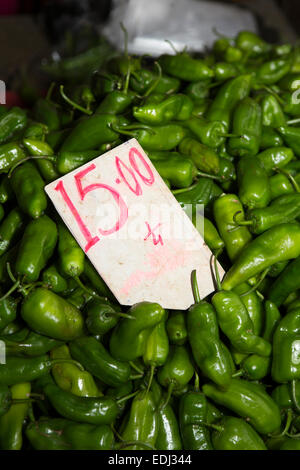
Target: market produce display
(83, 372)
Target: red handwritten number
(137, 190)
(134, 151)
(117, 197)
(91, 241)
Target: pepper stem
(197, 382)
(50, 91)
(264, 273)
(207, 175)
(293, 121)
(127, 397)
(290, 177)
(169, 394)
(152, 370)
(241, 222)
(72, 103)
(183, 190)
(294, 397)
(135, 367)
(217, 274)
(195, 287)
(156, 81)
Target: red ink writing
(155, 239)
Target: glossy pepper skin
(248, 400)
(284, 209)
(70, 160)
(47, 313)
(280, 185)
(286, 283)
(11, 123)
(115, 102)
(11, 423)
(285, 367)
(71, 256)
(279, 243)
(94, 357)
(210, 353)
(10, 229)
(192, 419)
(48, 113)
(163, 137)
(272, 113)
(247, 125)
(204, 191)
(227, 98)
(251, 44)
(46, 166)
(257, 367)
(5, 399)
(28, 187)
(168, 436)
(176, 328)
(28, 343)
(89, 410)
(70, 378)
(36, 247)
(178, 170)
(209, 133)
(253, 182)
(91, 132)
(235, 239)
(178, 370)
(270, 138)
(157, 347)
(167, 110)
(184, 67)
(291, 137)
(8, 311)
(236, 324)
(10, 154)
(6, 192)
(144, 79)
(275, 157)
(100, 316)
(142, 425)
(205, 158)
(128, 339)
(53, 280)
(233, 433)
(253, 305)
(272, 71)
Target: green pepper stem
(287, 426)
(72, 103)
(125, 32)
(197, 382)
(183, 190)
(152, 370)
(50, 91)
(217, 274)
(293, 121)
(82, 286)
(32, 157)
(156, 81)
(207, 175)
(264, 273)
(290, 177)
(127, 397)
(135, 377)
(135, 367)
(213, 426)
(241, 222)
(10, 291)
(195, 287)
(238, 373)
(272, 92)
(123, 315)
(169, 394)
(172, 46)
(294, 397)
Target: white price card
(133, 230)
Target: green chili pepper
(198, 90)
(71, 256)
(28, 343)
(235, 238)
(205, 158)
(192, 419)
(88, 133)
(248, 400)
(257, 367)
(280, 185)
(100, 316)
(285, 284)
(10, 229)
(157, 347)
(270, 138)
(233, 433)
(253, 182)
(8, 311)
(285, 365)
(36, 247)
(208, 132)
(53, 280)
(11, 423)
(272, 71)
(93, 277)
(167, 110)
(236, 324)
(184, 67)
(168, 436)
(210, 353)
(94, 357)
(70, 378)
(45, 166)
(10, 154)
(91, 410)
(142, 425)
(291, 136)
(177, 371)
(253, 305)
(165, 137)
(6, 192)
(227, 98)
(70, 160)
(272, 114)
(279, 243)
(225, 71)
(176, 328)
(115, 102)
(129, 337)
(12, 123)
(47, 113)
(251, 44)
(247, 125)
(28, 187)
(178, 170)
(48, 314)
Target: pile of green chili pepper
(84, 372)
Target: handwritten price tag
(132, 229)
